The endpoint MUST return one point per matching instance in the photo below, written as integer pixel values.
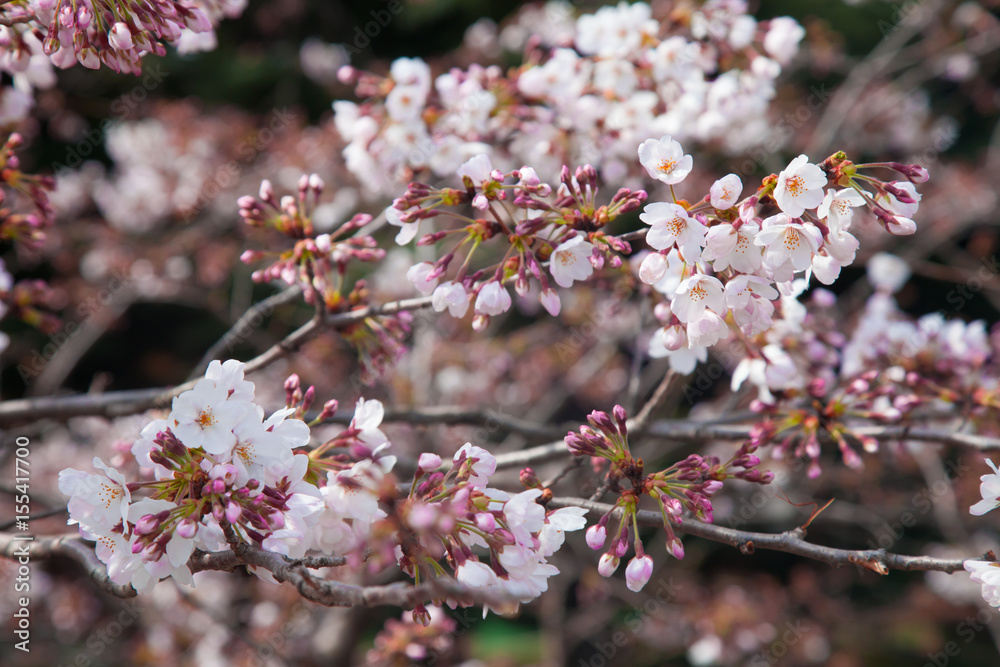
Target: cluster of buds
(689, 484)
(319, 263)
(117, 34)
(890, 369)
(21, 190)
(561, 227)
(316, 262)
(421, 634)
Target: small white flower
(97, 502)
(478, 168)
(695, 295)
(475, 574)
(407, 230)
(664, 159)
(450, 295)
(483, 464)
(669, 225)
(203, 417)
(493, 299)
(839, 204)
(800, 186)
(725, 191)
(368, 417)
(788, 242)
(571, 261)
(782, 39)
(887, 272)
(229, 376)
(419, 275)
(986, 573)
(990, 491)
(728, 247)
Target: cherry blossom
(664, 160)
(493, 299)
(670, 225)
(800, 187)
(451, 296)
(787, 240)
(990, 491)
(570, 261)
(726, 191)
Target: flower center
(666, 166)
(205, 418)
(795, 185)
(110, 493)
(791, 239)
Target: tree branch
(233, 336)
(876, 560)
(117, 404)
(69, 545)
(294, 571)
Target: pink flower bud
(120, 37)
(607, 565)
(187, 529)
(638, 572)
(147, 524)
(486, 522)
(550, 301)
(429, 461)
(675, 547)
(233, 512)
(597, 535)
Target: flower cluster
(221, 472)
(562, 227)
(987, 572)
(413, 637)
(316, 262)
(449, 513)
(319, 263)
(690, 484)
(890, 369)
(591, 95)
(25, 214)
(117, 34)
(728, 265)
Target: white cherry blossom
(571, 261)
(800, 187)
(665, 160)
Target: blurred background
(145, 261)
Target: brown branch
(791, 541)
(294, 571)
(639, 422)
(69, 545)
(117, 404)
(233, 336)
(693, 431)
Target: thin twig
(789, 542)
(259, 310)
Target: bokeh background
(153, 284)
